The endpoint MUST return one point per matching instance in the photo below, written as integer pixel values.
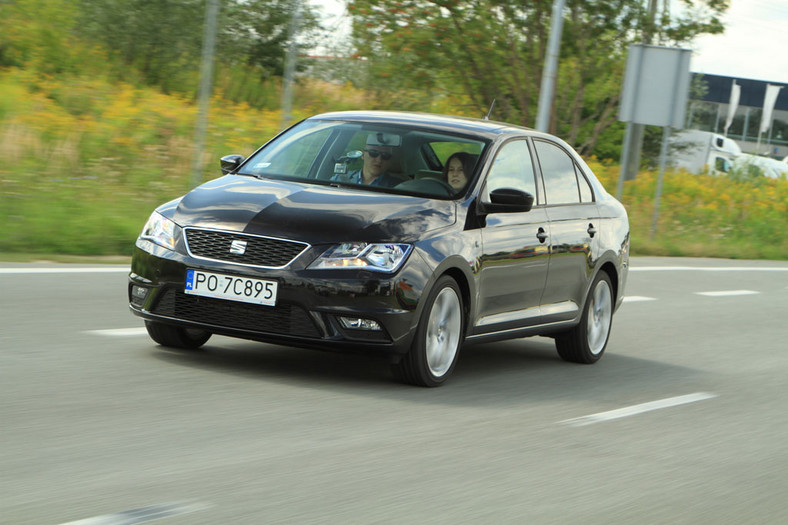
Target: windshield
(417, 161)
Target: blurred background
(100, 102)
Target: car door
(513, 267)
(574, 219)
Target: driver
(377, 161)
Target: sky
(754, 44)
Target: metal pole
(290, 63)
(550, 68)
(663, 155)
(622, 170)
(746, 124)
(204, 93)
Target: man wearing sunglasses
(377, 161)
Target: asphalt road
(683, 421)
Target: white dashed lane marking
(709, 269)
(637, 299)
(120, 332)
(637, 409)
(125, 269)
(103, 269)
(727, 293)
(142, 514)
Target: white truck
(772, 168)
(702, 152)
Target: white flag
(732, 105)
(768, 106)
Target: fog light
(138, 295)
(357, 323)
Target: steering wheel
(443, 184)
(428, 185)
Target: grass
(62, 258)
(705, 216)
(78, 180)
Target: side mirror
(722, 164)
(508, 200)
(230, 163)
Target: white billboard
(656, 86)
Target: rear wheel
(176, 336)
(586, 342)
(433, 354)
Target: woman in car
(458, 168)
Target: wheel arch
(610, 269)
(465, 289)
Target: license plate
(220, 286)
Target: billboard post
(655, 93)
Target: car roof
(488, 128)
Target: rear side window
(586, 193)
(443, 150)
(558, 173)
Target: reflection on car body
(286, 248)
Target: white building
(710, 113)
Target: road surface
(683, 421)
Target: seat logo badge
(238, 247)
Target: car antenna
(487, 116)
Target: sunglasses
(374, 154)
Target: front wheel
(176, 336)
(433, 354)
(586, 342)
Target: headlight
(161, 230)
(357, 255)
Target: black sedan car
(397, 233)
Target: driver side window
(512, 168)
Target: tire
(177, 336)
(586, 342)
(433, 354)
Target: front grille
(259, 251)
(283, 319)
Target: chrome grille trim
(261, 252)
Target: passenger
(458, 169)
(376, 169)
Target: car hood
(310, 213)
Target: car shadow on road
(492, 374)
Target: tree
(256, 32)
(160, 41)
(155, 41)
(495, 49)
(33, 34)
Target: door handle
(591, 230)
(541, 235)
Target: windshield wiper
(255, 175)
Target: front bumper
(308, 307)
